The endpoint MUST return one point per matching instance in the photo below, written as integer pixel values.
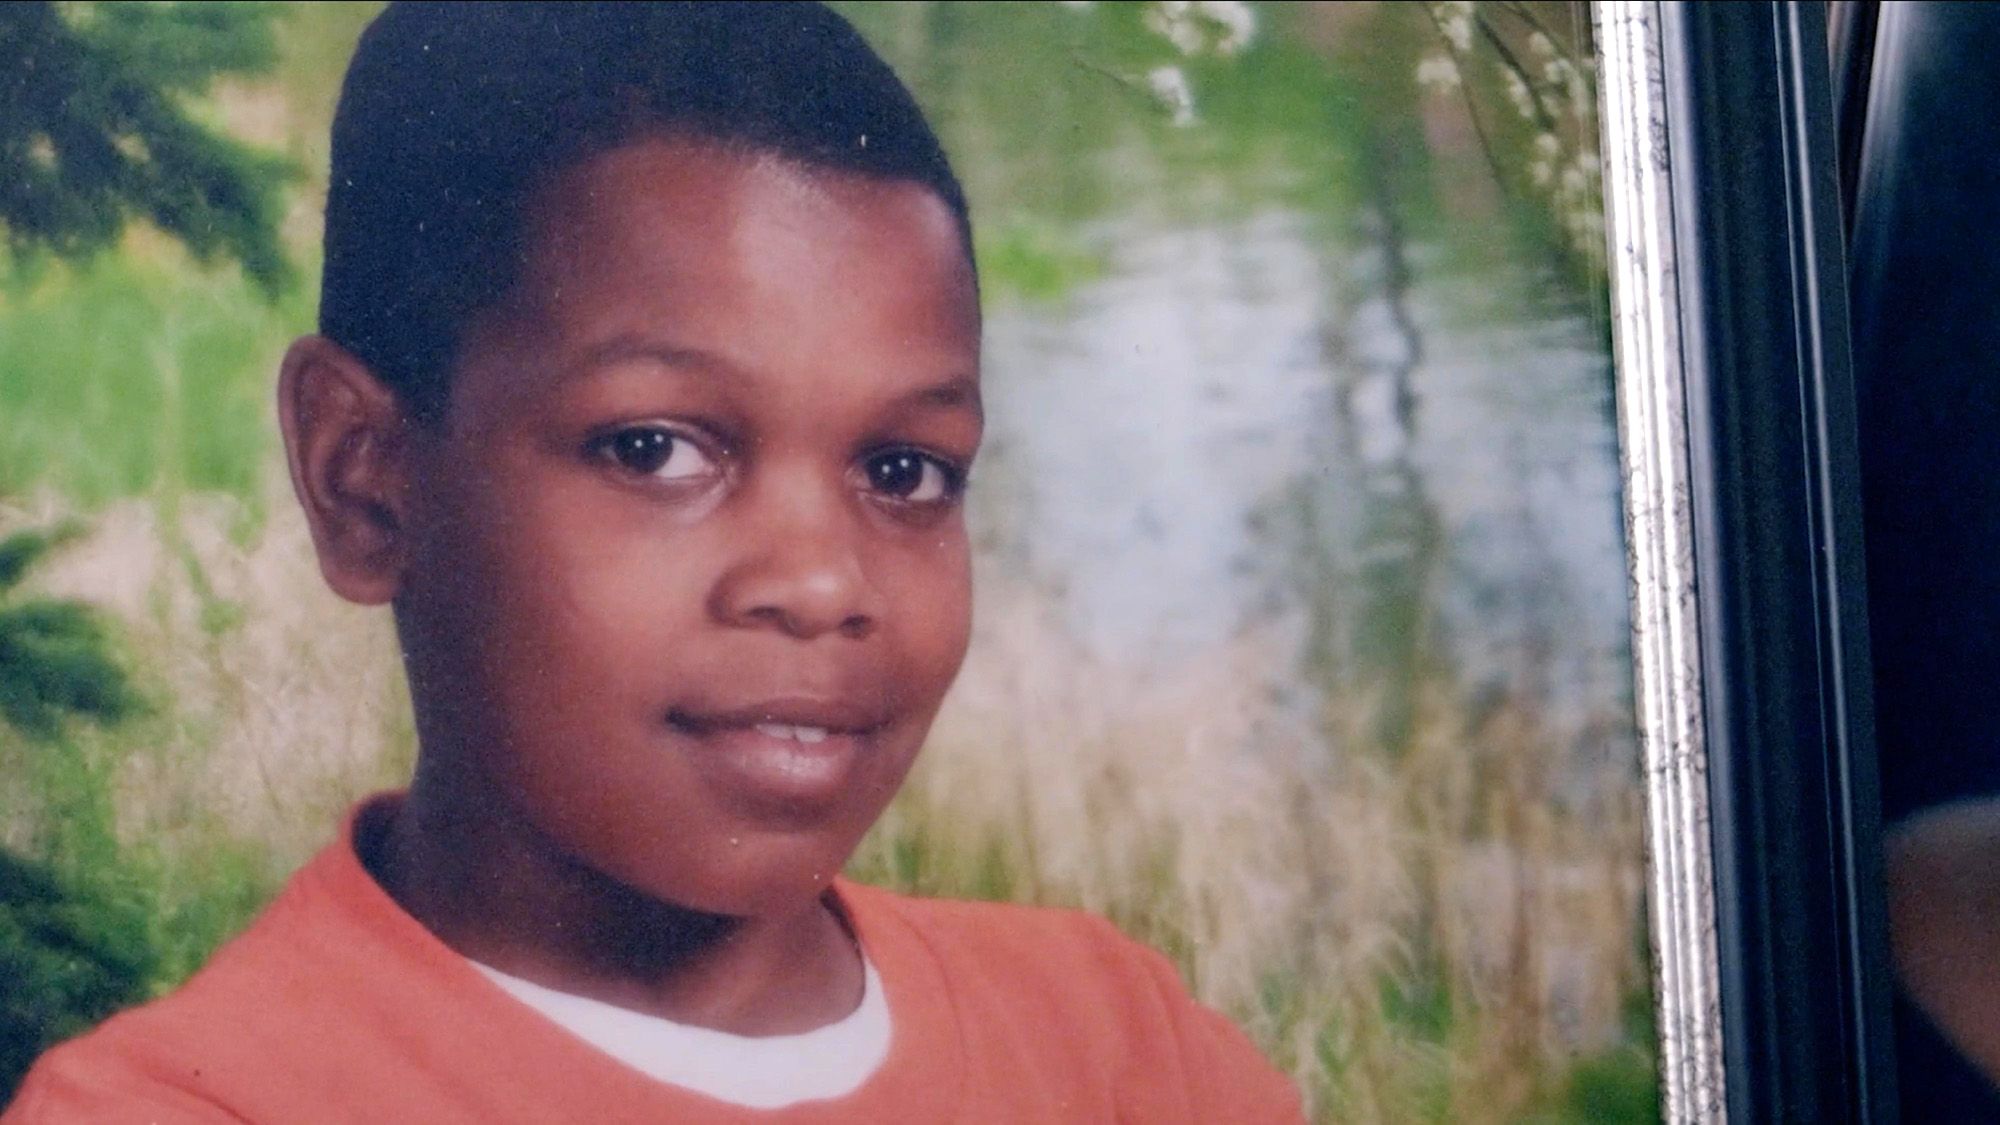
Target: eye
(655, 451)
(912, 477)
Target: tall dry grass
(1436, 936)
(270, 703)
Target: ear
(347, 440)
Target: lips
(811, 736)
(832, 714)
(786, 756)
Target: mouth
(785, 756)
(811, 736)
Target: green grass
(126, 376)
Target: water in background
(1280, 367)
(1147, 429)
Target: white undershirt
(759, 1072)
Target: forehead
(698, 236)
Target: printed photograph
(879, 561)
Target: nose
(799, 568)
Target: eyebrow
(619, 348)
(956, 392)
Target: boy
(646, 394)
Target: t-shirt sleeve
(1228, 1078)
(73, 1084)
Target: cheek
(606, 609)
(568, 607)
(935, 605)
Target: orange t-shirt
(336, 1006)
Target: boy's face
(687, 574)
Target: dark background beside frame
(1925, 147)
(1776, 497)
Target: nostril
(773, 615)
(803, 590)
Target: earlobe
(346, 442)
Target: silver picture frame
(1659, 522)
(1740, 458)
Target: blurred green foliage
(1035, 261)
(70, 956)
(55, 657)
(96, 131)
(125, 376)
(101, 127)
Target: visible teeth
(787, 730)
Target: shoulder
(157, 1062)
(1072, 982)
(1011, 944)
(103, 1076)
(990, 925)
(263, 1007)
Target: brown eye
(655, 451)
(915, 477)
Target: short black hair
(452, 114)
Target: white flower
(1438, 72)
(1547, 145)
(1582, 99)
(1586, 229)
(1542, 45)
(1174, 19)
(1197, 27)
(1454, 18)
(1542, 172)
(1170, 86)
(1235, 19)
(1458, 30)
(1517, 92)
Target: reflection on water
(1309, 365)
(1141, 423)
(1147, 433)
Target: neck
(497, 891)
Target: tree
(56, 660)
(69, 957)
(97, 129)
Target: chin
(751, 873)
